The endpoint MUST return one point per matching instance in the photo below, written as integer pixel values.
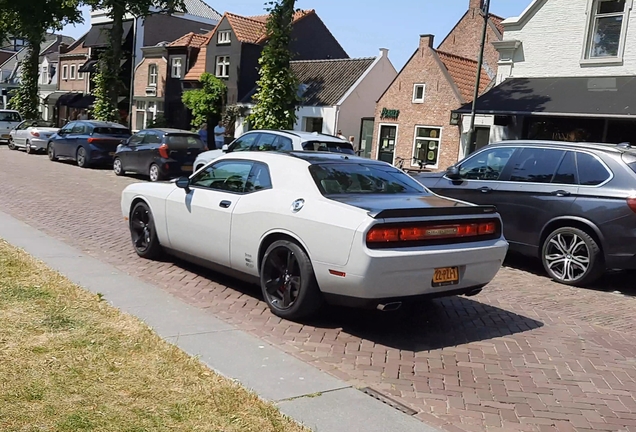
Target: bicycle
(399, 164)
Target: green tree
(30, 20)
(277, 88)
(108, 85)
(205, 101)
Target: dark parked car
(572, 205)
(87, 142)
(158, 153)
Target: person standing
(203, 133)
(341, 136)
(219, 135)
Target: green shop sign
(392, 114)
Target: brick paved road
(527, 354)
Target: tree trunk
(116, 39)
(29, 79)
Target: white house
(338, 95)
(567, 71)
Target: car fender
(579, 219)
(288, 233)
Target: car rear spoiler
(432, 211)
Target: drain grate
(387, 400)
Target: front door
(199, 222)
(60, 145)
(386, 143)
(366, 138)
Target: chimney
(384, 52)
(426, 40)
(475, 4)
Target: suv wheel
(572, 257)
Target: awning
(52, 98)
(83, 102)
(608, 97)
(89, 67)
(67, 98)
(98, 34)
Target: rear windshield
(362, 178)
(40, 123)
(111, 131)
(184, 141)
(329, 146)
(630, 160)
(10, 117)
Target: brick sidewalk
(527, 354)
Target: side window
(78, 129)
(487, 165)
(566, 173)
(283, 144)
(68, 127)
(591, 171)
(536, 165)
(246, 142)
(228, 175)
(266, 142)
(151, 138)
(136, 138)
(259, 178)
(23, 126)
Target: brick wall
(141, 76)
(440, 98)
(79, 57)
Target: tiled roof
(201, 9)
(325, 82)
(247, 30)
(496, 20)
(191, 39)
(463, 71)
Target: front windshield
(40, 123)
(363, 178)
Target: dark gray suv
(573, 205)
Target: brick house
(73, 86)
(412, 117)
(150, 85)
(231, 52)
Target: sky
(364, 26)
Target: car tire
(50, 150)
(288, 281)
(118, 167)
(81, 158)
(11, 144)
(28, 148)
(155, 173)
(143, 232)
(572, 257)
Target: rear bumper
(376, 275)
(38, 143)
(100, 156)
(171, 167)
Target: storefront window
(564, 129)
(426, 146)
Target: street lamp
(485, 10)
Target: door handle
(485, 189)
(561, 193)
(225, 204)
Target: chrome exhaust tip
(389, 307)
(473, 293)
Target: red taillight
(163, 151)
(35, 134)
(631, 203)
(389, 234)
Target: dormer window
(607, 30)
(224, 37)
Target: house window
(65, 72)
(224, 37)
(18, 44)
(313, 124)
(72, 76)
(418, 93)
(45, 75)
(146, 113)
(176, 67)
(223, 66)
(426, 145)
(607, 29)
(152, 74)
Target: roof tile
(463, 71)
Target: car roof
(169, 131)
(9, 110)
(304, 136)
(98, 123)
(310, 157)
(606, 147)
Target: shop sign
(391, 114)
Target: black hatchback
(158, 153)
(573, 205)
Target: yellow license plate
(6, 136)
(446, 276)
(186, 168)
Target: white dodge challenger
(312, 227)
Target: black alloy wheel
(143, 233)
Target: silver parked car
(31, 135)
(278, 140)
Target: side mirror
(452, 173)
(225, 148)
(183, 183)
